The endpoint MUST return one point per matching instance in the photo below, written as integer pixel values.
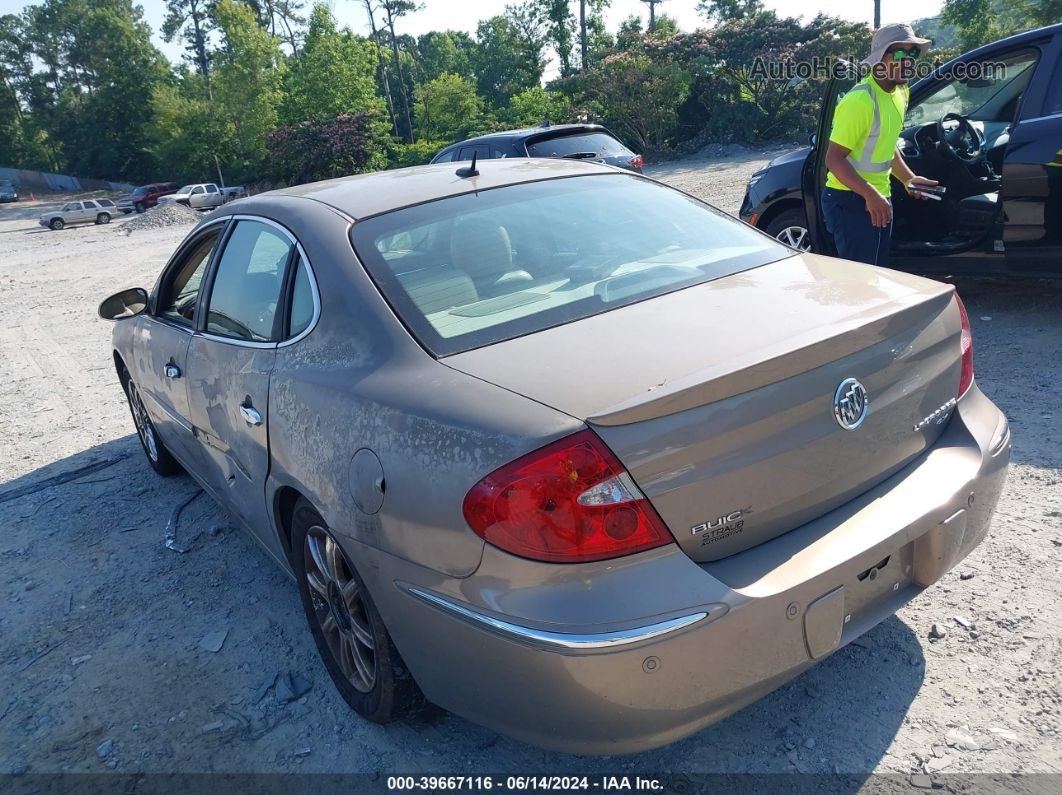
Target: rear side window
(302, 305)
(597, 143)
(247, 286)
(482, 267)
(481, 151)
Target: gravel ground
(108, 635)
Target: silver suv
(98, 211)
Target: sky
(465, 14)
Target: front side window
(70, 207)
(983, 92)
(247, 287)
(197, 190)
(478, 268)
(180, 288)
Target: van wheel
(347, 628)
(56, 224)
(140, 207)
(103, 218)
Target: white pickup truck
(203, 196)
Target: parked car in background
(548, 428)
(988, 126)
(573, 141)
(97, 211)
(203, 196)
(8, 191)
(146, 196)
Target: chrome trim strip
(560, 640)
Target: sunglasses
(901, 54)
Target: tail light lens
(569, 502)
(637, 161)
(966, 342)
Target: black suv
(993, 137)
(575, 141)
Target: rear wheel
(791, 228)
(103, 218)
(56, 224)
(157, 454)
(348, 630)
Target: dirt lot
(103, 626)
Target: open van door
(813, 179)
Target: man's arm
(903, 172)
(877, 205)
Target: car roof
(364, 195)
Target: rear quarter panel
(358, 381)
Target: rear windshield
(475, 269)
(599, 143)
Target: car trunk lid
(719, 399)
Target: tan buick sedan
(557, 447)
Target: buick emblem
(850, 404)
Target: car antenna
(469, 171)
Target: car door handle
(251, 415)
(172, 370)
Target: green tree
(506, 62)
(194, 21)
(97, 66)
(189, 132)
(445, 51)
(729, 10)
(282, 18)
(248, 76)
(534, 106)
(666, 27)
(334, 74)
(982, 21)
(448, 108)
(559, 23)
(393, 10)
(638, 97)
(630, 33)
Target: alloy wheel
(145, 430)
(340, 609)
(795, 237)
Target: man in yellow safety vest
(862, 149)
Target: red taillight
(571, 501)
(637, 161)
(966, 343)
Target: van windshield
(475, 269)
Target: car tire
(155, 451)
(347, 629)
(56, 224)
(140, 208)
(103, 218)
(791, 228)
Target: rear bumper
(638, 652)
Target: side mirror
(813, 138)
(127, 303)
